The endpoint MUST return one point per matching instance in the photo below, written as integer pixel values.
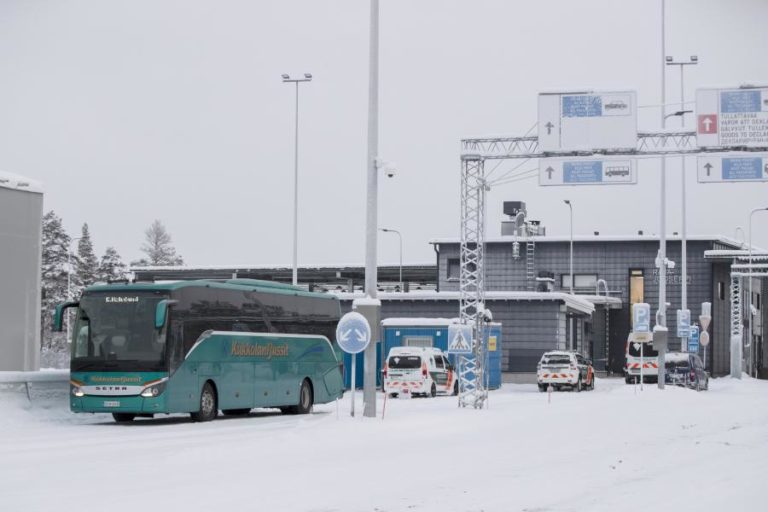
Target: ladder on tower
(530, 265)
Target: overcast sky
(129, 111)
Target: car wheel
(123, 417)
(542, 388)
(578, 385)
(433, 390)
(393, 395)
(628, 380)
(456, 388)
(208, 406)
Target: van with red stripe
(648, 361)
(422, 371)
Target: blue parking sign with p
(641, 317)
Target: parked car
(562, 369)
(685, 369)
(419, 371)
(649, 362)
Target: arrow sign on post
(549, 172)
(353, 335)
(549, 127)
(708, 167)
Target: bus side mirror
(58, 315)
(161, 312)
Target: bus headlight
(154, 390)
(77, 391)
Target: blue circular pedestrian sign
(353, 333)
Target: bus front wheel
(208, 406)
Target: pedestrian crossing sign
(459, 339)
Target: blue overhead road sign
(582, 105)
(742, 168)
(587, 171)
(353, 333)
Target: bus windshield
(116, 332)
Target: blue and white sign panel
(575, 121)
(732, 117)
(641, 317)
(693, 341)
(353, 333)
(683, 323)
(459, 339)
(587, 171)
(732, 167)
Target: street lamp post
(400, 237)
(570, 272)
(670, 61)
(749, 302)
(288, 79)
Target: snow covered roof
(16, 182)
(609, 302)
(757, 254)
(271, 267)
(575, 302)
(596, 238)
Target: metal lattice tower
(474, 186)
(472, 391)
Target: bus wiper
(99, 364)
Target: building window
(721, 290)
(583, 281)
(417, 341)
(453, 269)
(636, 286)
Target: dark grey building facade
(627, 265)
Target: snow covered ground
(612, 449)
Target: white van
(419, 371)
(649, 362)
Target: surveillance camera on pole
(389, 168)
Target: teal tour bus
(197, 347)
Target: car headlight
(76, 391)
(154, 390)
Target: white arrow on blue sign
(353, 333)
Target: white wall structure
(21, 216)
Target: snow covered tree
(86, 262)
(158, 247)
(55, 270)
(111, 266)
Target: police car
(561, 369)
(419, 371)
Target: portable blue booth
(433, 332)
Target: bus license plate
(111, 403)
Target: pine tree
(86, 262)
(55, 270)
(158, 247)
(111, 266)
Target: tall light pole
(570, 272)
(749, 302)
(400, 236)
(373, 312)
(661, 313)
(288, 79)
(683, 242)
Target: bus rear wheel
(123, 417)
(208, 407)
(306, 398)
